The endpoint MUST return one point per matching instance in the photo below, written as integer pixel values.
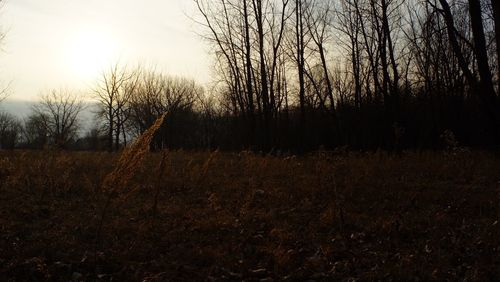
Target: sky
(68, 43)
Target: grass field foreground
(187, 216)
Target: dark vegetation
(227, 216)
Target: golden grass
(116, 183)
(131, 159)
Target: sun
(89, 52)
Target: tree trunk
(299, 30)
(486, 89)
(251, 106)
(263, 72)
(110, 129)
(496, 14)
(450, 27)
(480, 50)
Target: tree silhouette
(57, 114)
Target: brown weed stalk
(131, 160)
(116, 182)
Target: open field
(228, 216)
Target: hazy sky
(65, 43)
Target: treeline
(363, 73)
(124, 103)
(303, 74)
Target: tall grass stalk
(116, 182)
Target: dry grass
(224, 216)
(131, 160)
(116, 183)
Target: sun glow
(89, 52)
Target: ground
(243, 216)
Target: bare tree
(113, 93)
(496, 17)
(480, 49)
(300, 45)
(58, 113)
(222, 20)
(349, 24)
(486, 88)
(319, 22)
(482, 87)
(157, 94)
(248, 40)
